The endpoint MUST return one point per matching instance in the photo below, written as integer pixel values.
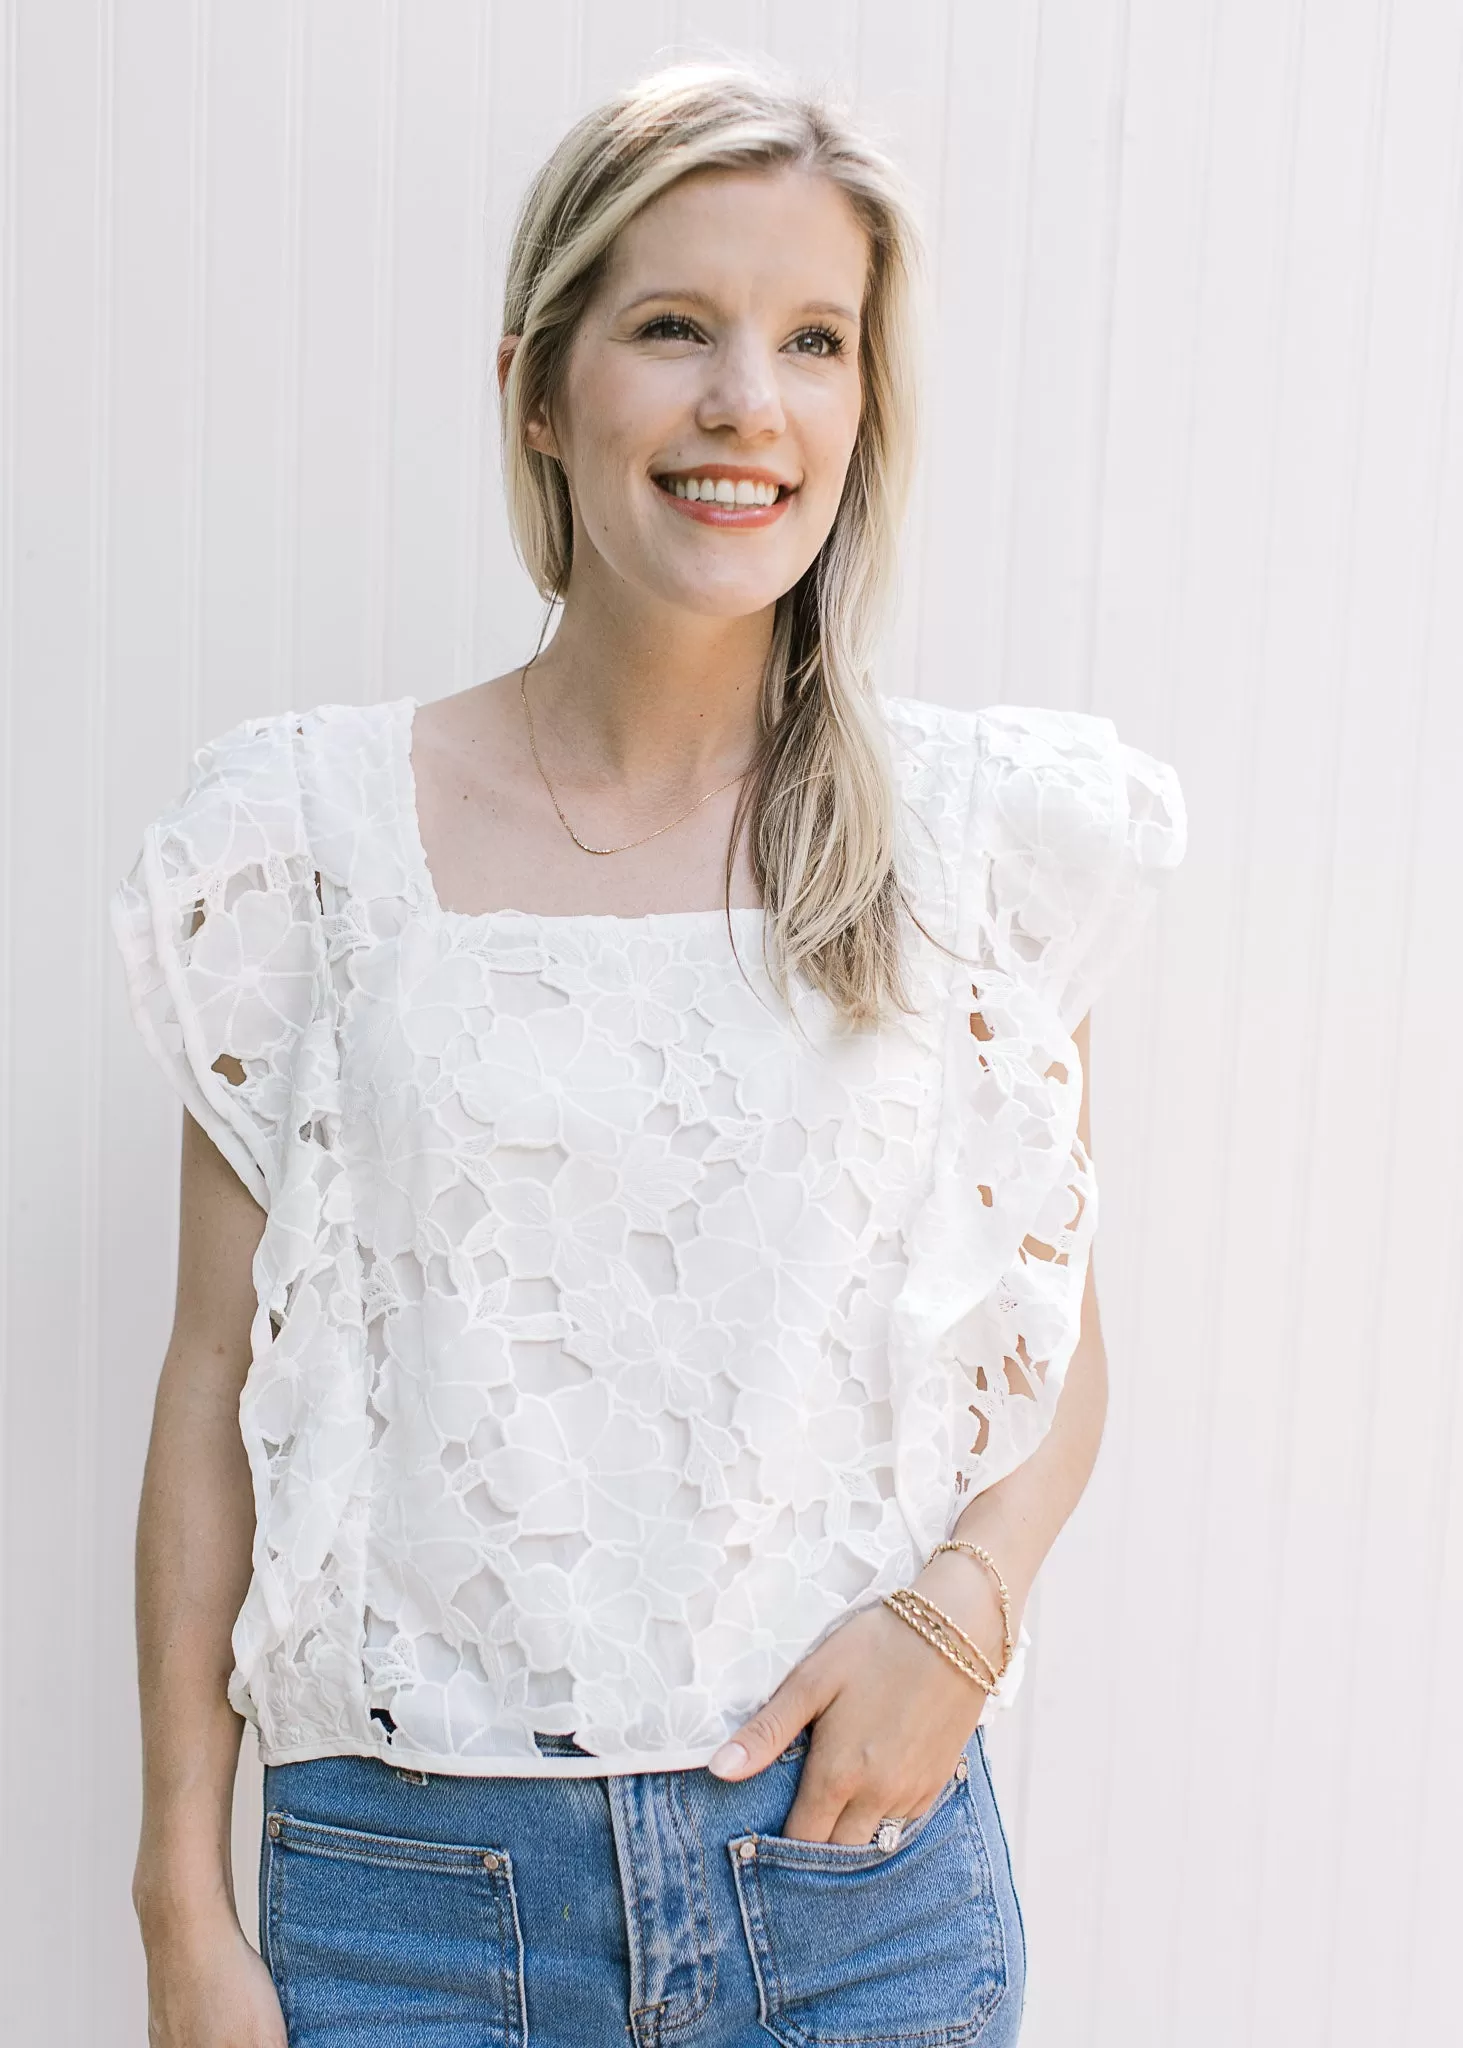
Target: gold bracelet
(979, 1551)
(940, 1619)
(935, 1642)
(922, 1628)
(936, 1637)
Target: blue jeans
(653, 1910)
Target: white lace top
(617, 1330)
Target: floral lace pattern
(619, 1328)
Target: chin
(714, 597)
(724, 604)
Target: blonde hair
(819, 801)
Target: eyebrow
(703, 299)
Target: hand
(208, 1988)
(890, 1715)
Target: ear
(536, 430)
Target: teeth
(722, 491)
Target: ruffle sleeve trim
(1065, 831)
(218, 924)
(1082, 832)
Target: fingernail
(728, 1760)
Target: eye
(669, 327)
(827, 343)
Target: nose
(742, 393)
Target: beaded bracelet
(938, 1617)
(977, 1550)
(942, 1632)
(896, 1602)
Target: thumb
(769, 1731)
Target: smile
(722, 500)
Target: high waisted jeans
(655, 1910)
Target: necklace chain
(553, 799)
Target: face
(712, 393)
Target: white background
(1195, 461)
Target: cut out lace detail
(619, 1331)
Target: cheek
(850, 416)
(835, 452)
(828, 423)
(620, 415)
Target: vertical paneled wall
(1194, 459)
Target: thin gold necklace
(533, 748)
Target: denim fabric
(640, 1911)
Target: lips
(726, 494)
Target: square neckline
(404, 710)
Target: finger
(824, 1791)
(759, 1741)
(859, 1821)
(813, 1816)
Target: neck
(665, 697)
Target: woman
(636, 1192)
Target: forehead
(740, 234)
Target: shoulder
(1055, 831)
(929, 742)
(933, 752)
(1068, 783)
(937, 737)
(240, 803)
(293, 784)
(1036, 777)
(288, 745)
(221, 925)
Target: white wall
(1195, 460)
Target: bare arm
(891, 1715)
(206, 1986)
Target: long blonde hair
(819, 801)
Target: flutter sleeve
(219, 926)
(1082, 831)
(1069, 834)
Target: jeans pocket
(858, 1947)
(357, 1927)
